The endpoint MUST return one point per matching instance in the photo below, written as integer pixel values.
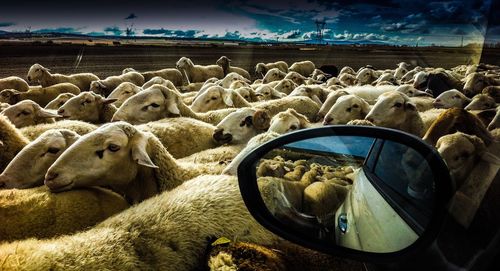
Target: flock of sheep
(154, 154)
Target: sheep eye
(155, 105)
(464, 155)
(242, 123)
(398, 105)
(25, 113)
(37, 70)
(355, 105)
(348, 109)
(113, 148)
(214, 98)
(293, 127)
(53, 150)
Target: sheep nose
(327, 120)
(50, 176)
(60, 111)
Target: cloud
(458, 31)
(171, 33)
(361, 36)
(114, 30)
(131, 16)
(406, 27)
(6, 24)
(64, 30)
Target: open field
(15, 59)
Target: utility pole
(462, 44)
(320, 26)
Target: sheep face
(266, 93)
(247, 93)
(59, 101)
(86, 106)
(238, 127)
(420, 81)
(475, 83)
(260, 69)
(35, 73)
(411, 91)
(495, 122)
(155, 80)
(481, 102)
(288, 121)
(347, 70)
(127, 70)
(10, 96)
(231, 78)
(113, 153)
(24, 171)
(330, 101)
(272, 75)
(239, 84)
(26, 113)
(213, 98)
(451, 98)
(460, 151)
(224, 62)
(184, 63)
(123, 92)
(296, 77)
(347, 79)
(347, 108)
(151, 104)
(391, 110)
(285, 86)
(365, 76)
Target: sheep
(347, 108)
(24, 171)
(59, 101)
(386, 77)
(288, 121)
(225, 63)
(285, 86)
(241, 125)
(319, 75)
(216, 97)
(239, 84)
(329, 102)
(296, 77)
(222, 154)
(369, 93)
(495, 122)
(411, 91)
(302, 105)
(476, 82)
(89, 107)
(121, 242)
(123, 91)
(172, 75)
(11, 141)
(37, 213)
(79, 127)
(481, 102)
(181, 136)
(436, 82)
(14, 82)
(456, 119)
(192, 87)
(231, 78)
(159, 80)
(247, 93)
(197, 73)
(366, 76)
(451, 98)
(272, 75)
(394, 109)
(347, 70)
(266, 93)
(4, 106)
(26, 113)
(41, 96)
(493, 91)
(261, 68)
(315, 92)
(38, 73)
(409, 76)
(159, 102)
(305, 68)
(347, 79)
(106, 86)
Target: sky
(382, 21)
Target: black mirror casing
(443, 191)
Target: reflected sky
(349, 145)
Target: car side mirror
(369, 193)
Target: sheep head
(347, 108)
(59, 101)
(26, 113)
(391, 110)
(287, 121)
(214, 97)
(24, 171)
(153, 103)
(111, 155)
(10, 96)
(241, 125)
(273, 74)
(36, 72)
(86, 106)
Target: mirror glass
(362, 193)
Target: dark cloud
(114, 30)
(458, 31)
(64, 30)
(131, 16)
(171, 33)
(6, 24)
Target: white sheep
(79, 127)
(11, 141)
(241, 125)
(197, 73)
(285, 86)
(40, 95)
(400, 72)
(14, 82)
(261, 68)
(272, 75)
(106, 86)
(38, 73)
(231, 78)
(173, 75)
(239, 84)
(59, 101)
(122, 241)
(296, 77)
(315, 92)
(369, 93)
(247, 93)
(120, 156)
(266, 93)
(89, 107)
(305, 68)
(451, 98)
(347, 79)
(159, 80)
(27, 112)
(24, 171)
(329, 102)
(366, 76)
(124, 91)
(225, 63)
(481, 102)
(348, 70)
(216, 97)
(289, 121)
(347, 108)
(476, 82)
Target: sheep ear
(316, 100)
(365, 107)
(411, 106)
(261, 120)
(101, 84)
(172, 107)
(227, 97)
(477, 142)
(44, 113)
(139, 153)
(109, 101)
(302, 119)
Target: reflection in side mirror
(363, 193)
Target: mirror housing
(302, 228)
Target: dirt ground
(111, 60)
